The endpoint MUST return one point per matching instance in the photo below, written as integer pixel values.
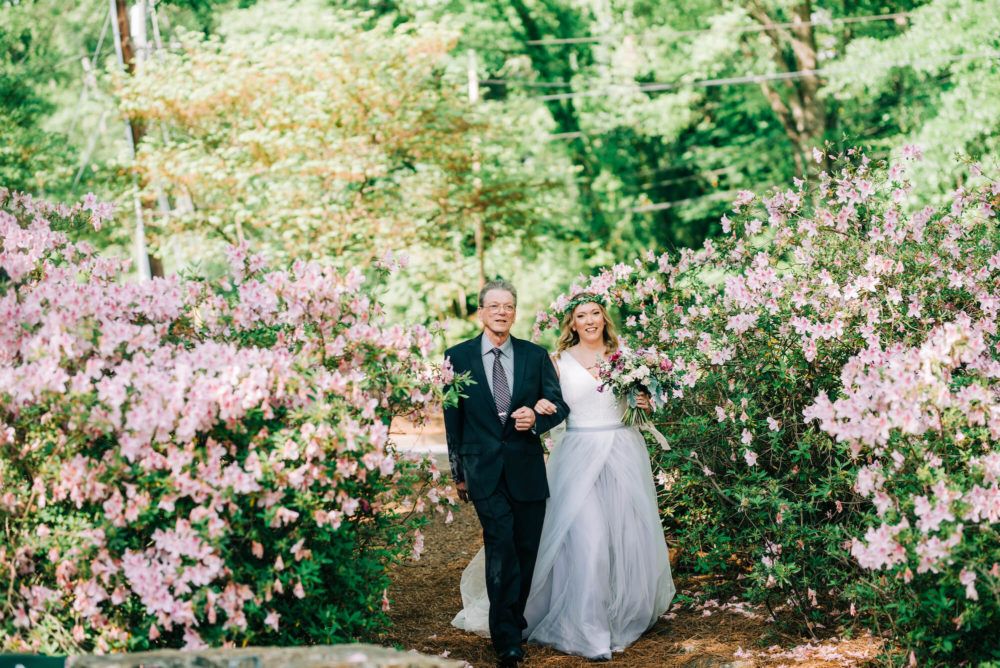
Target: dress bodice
(588, 407)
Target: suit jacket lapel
(478, 369)
(520, 364)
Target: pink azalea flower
(968, 579)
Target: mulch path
(425, 596)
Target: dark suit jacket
(479, 446)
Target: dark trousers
(511, 531)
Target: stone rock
(716, 662)
(323, 656)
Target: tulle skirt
(602, 576)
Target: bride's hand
(545, 407)
(642, 402)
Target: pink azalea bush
(927, 420)
(781, 438)
(187, 463)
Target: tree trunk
(812, 116)
(798, 105)
(128, 59)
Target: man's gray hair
(497, 284)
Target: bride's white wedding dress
(602, 576)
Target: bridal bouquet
(629, 373)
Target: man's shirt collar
(487, 346)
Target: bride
(602, 576)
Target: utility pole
(477, 183)
(138, 15)
(137, 27)
(125, 50)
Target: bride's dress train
(602, 576)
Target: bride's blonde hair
(569, 338)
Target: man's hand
(463, 492)
(524, 418)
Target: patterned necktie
(501, 392)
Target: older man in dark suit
(497, 458)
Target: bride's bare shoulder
(558, 355)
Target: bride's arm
(544, 406)
(553, 392)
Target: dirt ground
(425, 596)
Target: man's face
(497, 312)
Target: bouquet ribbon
(654, 432)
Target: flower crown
(585, 298)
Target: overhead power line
(761, 27)
(566, 135)
(658, 87)
(707, 175)
(526, 83)
(613, 89)
(660, 206)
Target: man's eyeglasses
(498, 308)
